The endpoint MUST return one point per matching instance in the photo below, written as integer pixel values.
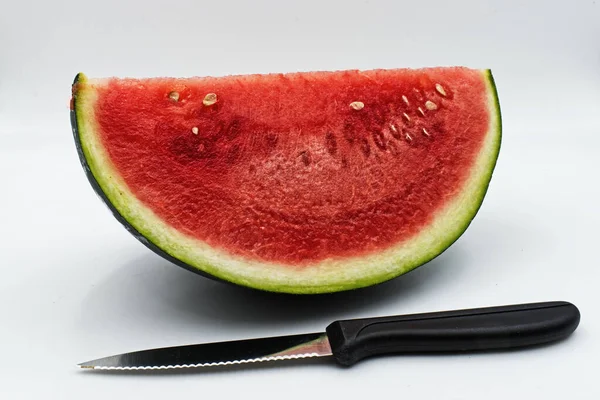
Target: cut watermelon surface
(305, 182)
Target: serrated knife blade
(218, 353)
(349, 341)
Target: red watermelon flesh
(293, 172)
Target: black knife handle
(475, 329)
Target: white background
(75, 285)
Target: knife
(349, 341)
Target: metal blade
(218, 353)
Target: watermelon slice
(305, 182)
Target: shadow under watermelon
(150, 292)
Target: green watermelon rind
(329, 276)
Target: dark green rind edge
(307, 290)
(98, 189)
